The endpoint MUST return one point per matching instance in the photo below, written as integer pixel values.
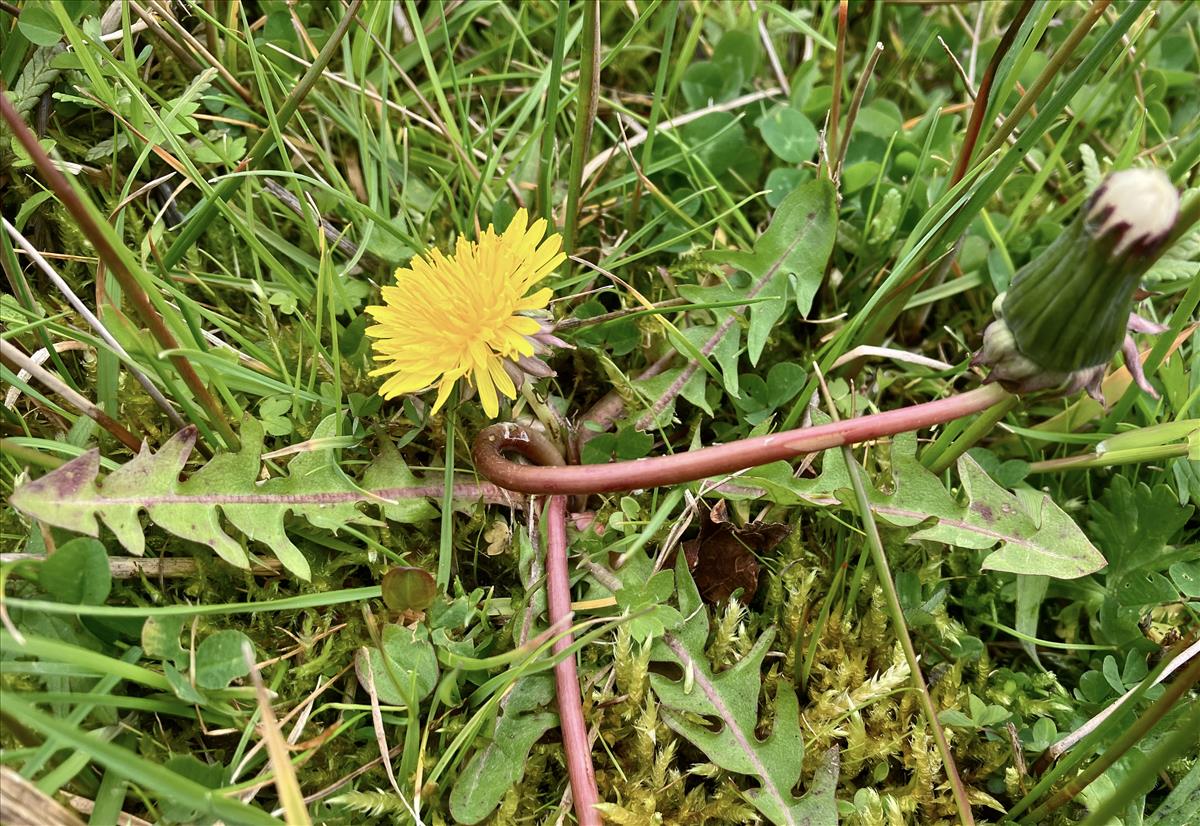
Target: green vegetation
(240, 586)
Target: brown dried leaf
(723, 558)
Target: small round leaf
(219, 659)
(408, 589)
(38, 23)
(791, 135)
(77, 572)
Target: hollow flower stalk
(469, 316)
(1067, 311)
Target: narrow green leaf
(156, 778)
(790, 255)
(500, 764)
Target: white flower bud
(1140, 204)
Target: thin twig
(39, 357)
(89, 223)
(96, 324)
(84, 405)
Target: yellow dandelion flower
(469, 316)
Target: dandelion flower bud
(1066, 312)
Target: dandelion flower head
(469, 315)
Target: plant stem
(896, 612)
(570, 703)
(91, 224)
(710, 461)
(446, 540)
(558, 598)
(949, 453)
(585, 114)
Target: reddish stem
(980, 106)
(570, 703)
(538, 448)
(718, 460)
(605, 412)
(90, 226)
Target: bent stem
(492, 442)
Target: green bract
(1065, 315)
